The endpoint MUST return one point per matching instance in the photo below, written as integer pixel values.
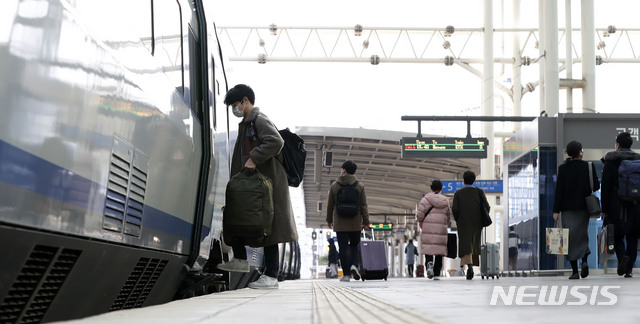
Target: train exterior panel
(113, 154)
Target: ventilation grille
(126, 189)
(37, 284)
(139, 284)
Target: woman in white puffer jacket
(434, 222)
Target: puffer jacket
(433, 239)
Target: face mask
(237, 112)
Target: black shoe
(584, 272)
(628, 275)
(574, 275)
(470, 273)
(622, 265)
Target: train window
(167, 39)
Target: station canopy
(393, 185)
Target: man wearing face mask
(257, 147)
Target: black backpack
(292, 156)
(348, 200)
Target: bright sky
(375, 97)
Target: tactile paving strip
(334, 303)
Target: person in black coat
(571, 189)
(625, 216)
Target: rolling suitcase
(373, 260)
(490, 260)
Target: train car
(114, 154)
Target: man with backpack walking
(257, 148)
(620, 207)
(347, 215)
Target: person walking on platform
(625, 216)
(256, 147)
(410, 253)
(467, 202)
(433, 215)
(572, 187)
(347, 215)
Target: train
(114, 158)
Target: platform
(402, 300)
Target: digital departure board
(444, 147)
(381, 226)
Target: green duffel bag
(248, 211)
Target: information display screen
(444, 147)
(381, 226)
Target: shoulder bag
(592, 201)
(484, 213)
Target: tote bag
(557, 239)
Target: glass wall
(523, 208)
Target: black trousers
(271, 254)
(626, 237)
(410, 269)
(437, 265)
(348, 244)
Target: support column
(588, 57)
(487, 103)
(517, 66)
(569, 54)
(551, 70)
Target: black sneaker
(622, 265)
(628, 275)
(574, 275)
(470, 273)
(584, 272)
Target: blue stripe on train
(32, 173)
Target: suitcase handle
(364, 235)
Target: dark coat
(466, 212)
(573, 186)
(347, 224)
(611, 204)
(265, 153)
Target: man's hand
(330, 225)
(555, 217)
(250, 164)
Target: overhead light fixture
(375, 59)
(448, 31)
(601, 45)
(357, 30)
(448, 60)
(446, 45)
(273, 29)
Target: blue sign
(486, 185)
